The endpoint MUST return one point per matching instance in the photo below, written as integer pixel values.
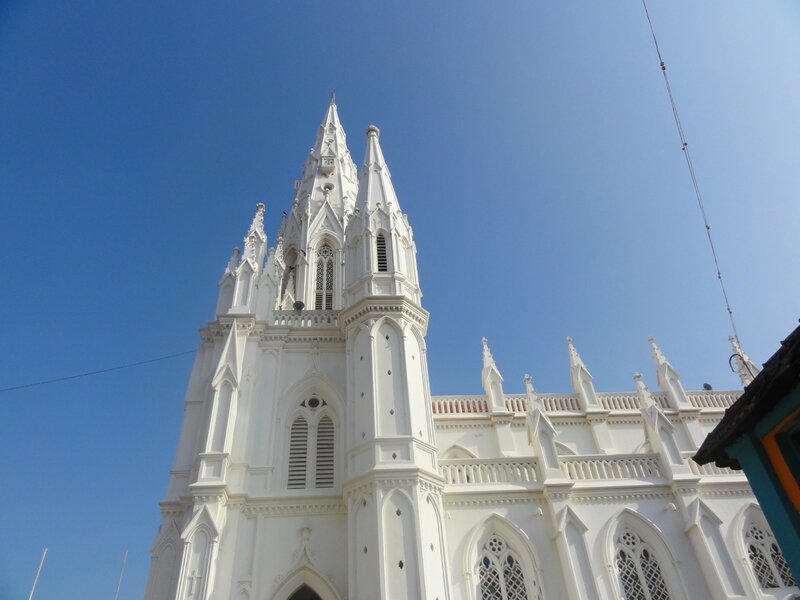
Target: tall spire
(745, 367)
(381, 251)
(375, 181)
(328, 173)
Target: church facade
(313, 461)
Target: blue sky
(531, 145)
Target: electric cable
(692, 174)
(99, 371)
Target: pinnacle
(374, 155)
(658, 355)
(375, 181)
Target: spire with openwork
(308, 265)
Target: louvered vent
(325, 456)
(298, 454)
(383, 263)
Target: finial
(372, 130)
(574, 357)
(487, 354)
(528, 384)
(260, 207)
(333, 97)
(234, 260)
(637, 377)
(658, 355)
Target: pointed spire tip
(333, 97)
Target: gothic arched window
(312, 447)
(639, 572)
(500, 573)
(323, 286)
(766, 559)
(325, 457)
(298, 453)
(383, 260)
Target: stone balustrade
(459, 405)
(560, 402)
(604, 466)
(622, 401)
(713, 399)
(316, 319)
(710, 469)
(555, 403)
(475, 471)
(516, 403)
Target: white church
(313, 462)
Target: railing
(709, 469)
(516, 403)
(458, 405)
(318, 319)
(713, 399)
(560, 402)
(474, 471)
(660, 398)
(621, 466)
(623, 401)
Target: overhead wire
(692, 174)
(97, 372)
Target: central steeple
(328, 173)
(308, 255)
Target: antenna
(121, 573)
(38, 572)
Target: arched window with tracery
(312, 447)
(501, 574)
(766, 559)
(637, 567)
(323, 285)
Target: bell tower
(392, 487)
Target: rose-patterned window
(500, 573)
(638, 570)
(766, 559)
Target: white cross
(193, 578)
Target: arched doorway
(305, 593)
